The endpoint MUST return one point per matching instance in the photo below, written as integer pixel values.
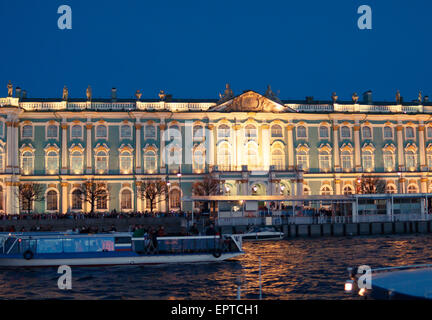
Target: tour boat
(413, 282)
(262, 233)
(57, 248)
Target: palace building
(255, 144)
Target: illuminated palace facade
(253, 143)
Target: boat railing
(413, 266)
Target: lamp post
(179, 176)
(168, 183)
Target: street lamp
(168, 183)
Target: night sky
(191, 48)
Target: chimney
(426, 99)
(309, 99)
(114, 94)
(367, 97)
(18, 92)
(24, 94)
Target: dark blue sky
(192, 48)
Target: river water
(290, 269)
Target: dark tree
(208, 187)
(153, 191)
(29, 193)
(371, 185)
(94, 191)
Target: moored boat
(262, 233)
(56, 248)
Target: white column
(423, 183)
(138, 127)
(336, 147)
(64, 148)
(210, 147)
(338, 186)
(15, 153)
(265, 143)
(400, 147)
(421, 130)
(64, 194)
(139, 207)
(290, 144)
(402, 185)
(89, 145)
(235, 153)
(162, 159)
(239, 147)
(357, 148)
(9, 150)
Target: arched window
(77, 162)
(150, 161)
(76, 131)
(429, 132)
(388, 132)
(125, 131)
(250, 132)
(390, 188)
(77, 199)
(325, 160)
(367, 133)
(101, 162)
(198, 160)
(345, 132)
(412, 188)
(301, 132)
(126, 200)
(409, 132)
(326, 191)
(252, 157)
(52, 162)
(198, 132)
(52, 131)
(277, 159)
(389, 160)
(1, 199)
(174, 133)
(1, 160)
(276, 131)
(323, 132)
(27, 131)
(27, 162)
(368, 161)
(52, 200)
(125, 162)
(223, 131)
(150, 131)
(224, 157)
(411, 159)
(348, 190)
(302, 160)
(346, 160)
(101, 131)
(174, 198)
(102, 201)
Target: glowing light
(349, 285)
(362, 292)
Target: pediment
(251, 101)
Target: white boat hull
(138, 260)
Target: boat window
(101, 244)
(27, 244)
(76, 245)
(49, 246)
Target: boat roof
(412, 282)
(57, 235)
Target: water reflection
(293, 269)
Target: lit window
(174, 198)
(346, 160)
(27, 162)
(77, 199)
(302, 160)
(252, 157)
(126, 200)
(348, 190)
(389, 162)
(101, 202)
(277, 160)
(326, 191)
(52, 162)
(411, 159)
(126, 162)
(198, 160)
(101, 162)
(367, 160)
(325, 161)
(224, 157)
(77, 162)
(223, 131)
(150, 161)
(412, 188)
(250, 132)
(390, 188)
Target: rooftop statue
(355, 97)
(138, 95)
(162, 95)
(65, 93)
(228, 93)
(89, 93)
(398, 97)
(271, 95)
(420, 97)
(334, 97)
(10, 89)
